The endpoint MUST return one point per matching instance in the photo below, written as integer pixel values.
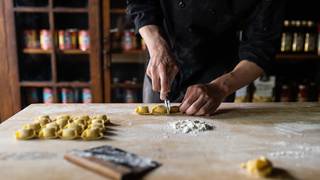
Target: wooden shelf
(41, 51)
(296, 57)
(73, 51)
(73, 84)
(134, 56)
(46, 10)
(126, 86)
(118, 11)
(36, 84)
(32, 9)
(36, 51)
(70, 10)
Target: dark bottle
(310, 38)
(286, 37)
(298, 38)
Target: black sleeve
(144, 12)
(262, 33)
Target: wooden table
(288, 134)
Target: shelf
(118, 11)
(36, 51)
(41, 51)
(126, 86)
(36, 84)
(73, 51)
(134, 56)
(73, 84)
(296, 57)
(46, 10)
(70, 10)
(32, 9)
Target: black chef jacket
(203, 34)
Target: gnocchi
(92, 134)
(258, 167)
(25, 134)
(48, 133)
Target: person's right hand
(162, 68)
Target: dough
(92, 134)
(25, 134)
(78, 127)
(48, 133)
(159, 110)
(156, 110)
(97, 125)
(52, 125)
(35, 126)
(142, 110)
(258, 167)
(43, 120)
(100, 116)
(68, 134)
(62, 122)
(65, 117)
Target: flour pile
(189, 126)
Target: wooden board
(288, 134)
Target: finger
(194, 108)
(188, 100)
(164, 83)
(155, 82)
(207, 109)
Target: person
(202, 51)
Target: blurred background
(86, 51)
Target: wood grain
(288, 134)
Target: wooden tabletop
(288, 134)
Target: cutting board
(288, 134)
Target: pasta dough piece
(99, 121)
(174, 109)
(66, 117)
(68, 134)
(259, 167)
(78, 127)
(100, 116)
(92, 134)
(52, 125)
(97, 125)
(25, 134)
(48, 133)
(62, 122)
(81, 122)
(43, 120)
(35, 126)
(159, 110)
(142, 110)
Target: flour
(189, 126)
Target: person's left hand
(202, 99)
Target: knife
(167, 104)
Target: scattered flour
(190, 126)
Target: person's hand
(202, 99)
(162, 68)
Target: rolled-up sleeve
(261, 34)
(144, 12)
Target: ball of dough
(48, 133)
(78, 127)
(159, 110)
(174, 109)
(68, 133)
(62, 122)
(92, 134)
(258, 167)
(25, 134)
(35, 126)
(142, 110)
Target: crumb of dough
(258, 167)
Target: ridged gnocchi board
(111, 162)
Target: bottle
(310, 38)
(286, 37)
(302, 93)
(298, 38)
(285, 95)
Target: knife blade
(168, 105)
